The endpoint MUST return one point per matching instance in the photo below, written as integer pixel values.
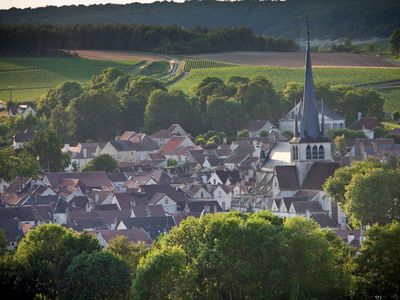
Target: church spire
(296, 129)
(309, 125)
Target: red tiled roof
(365, 122)
(172, 145)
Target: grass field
(196, 63)
(31, 77)
(279, 76)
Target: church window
(293, 153)
(321, 152)
(308, 152)
(296, 152)
(315, 152)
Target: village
(163, 178)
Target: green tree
(21, 164)
(127, 251)
(165, 109)
(3, 242)
(171, 163)
(96, 275)
(224, 115)
(46, 145)
(394, 42)
(259, 100)
(243, 134)
(96, 115)
(61, 123)
(340, 145)
(372, 197)
(47, 251)
(103, 162)
(378, 263)
(263, 133)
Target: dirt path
(296, 59)
(117, 55)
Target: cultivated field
(118, 56)
(31, 77)
(296, 59)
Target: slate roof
(159, 189)
(319, 172)
(365, 122)
(92, 179)
(307, 206)
(324, 220)
(12, 230)
(224, 175)
(146, 144)
(27, 213)
(133, 235)
(19, 185)
(117, 177)
(26, 136)
(199, 206)
(256, 125)
(287, 178)
(328, 112)
(142, 211)
(153, 226)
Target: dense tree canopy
(103, 162)
(14, 164)
(239, 256)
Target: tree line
(355, 19)
(217, 256)
(171, 39)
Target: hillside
(329, 19)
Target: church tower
(309, 143)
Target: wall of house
(224, 199)
(168, 204)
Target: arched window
(315, 152)
(308, 152)
(297, 152)
(321, 152)
(293, 153)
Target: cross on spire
(308, 32)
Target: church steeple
(295, 129)
(309, 125)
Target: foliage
(96, 275)
(96, 115)
(243, 134)
(171, 39)
(203, 258)
(171, 163)
(3, 242)
(379, 262)
(14, 164)
(103, 162)
(340, 145)
(46, 145)
(127, 251)
(46, 252)
(346, 133)
(210, 137)
(367, 191)
(394, 42)
(61, 122)
(263, 133)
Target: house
(87, 180)
(143, 211)
(21, 110)
(164, 135)
(29, 214)
(118, 180)
(366, 125)
(224, 177)
(381, 148)
(81, 154)
(256, 127)
(23, 138)
(131, 151)
(177, 148)
(241, 150)
(134, 235)
(332, 120)
(13, 232)
(198, 192)
(223, 195)
(199, 207)
(153, 226)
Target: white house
(223, 195)
(164, 135)
(21, 110)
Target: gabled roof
(199, 206)
(324, 220)
(142, 211)
(328, 112)
(303, 207)
(12, 230)
(153, 226)
(133, 235)
(319, 172)
(92, 179)
(287, 178)
(159, 189)
(173, 144)
(24, 137)
(224, 175)
(145, 144)
(257, 125)
(366, 122)
(27, 213)
(19, 184)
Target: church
(290, 182)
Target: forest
(357, 19)
(40, 39)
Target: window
(293, 153)
(219, 194)
(321, 152)
(315, 152)
(308, 152)
(201, 195)
(296, 149)
(215, 181)
(223, 205)
(166, 200)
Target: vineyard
(29, 77)
(194, 63)
(279, 75)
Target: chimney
(148, 211)
(359, 115)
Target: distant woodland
(329, 19)
(171, 39)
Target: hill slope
(330, 19)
